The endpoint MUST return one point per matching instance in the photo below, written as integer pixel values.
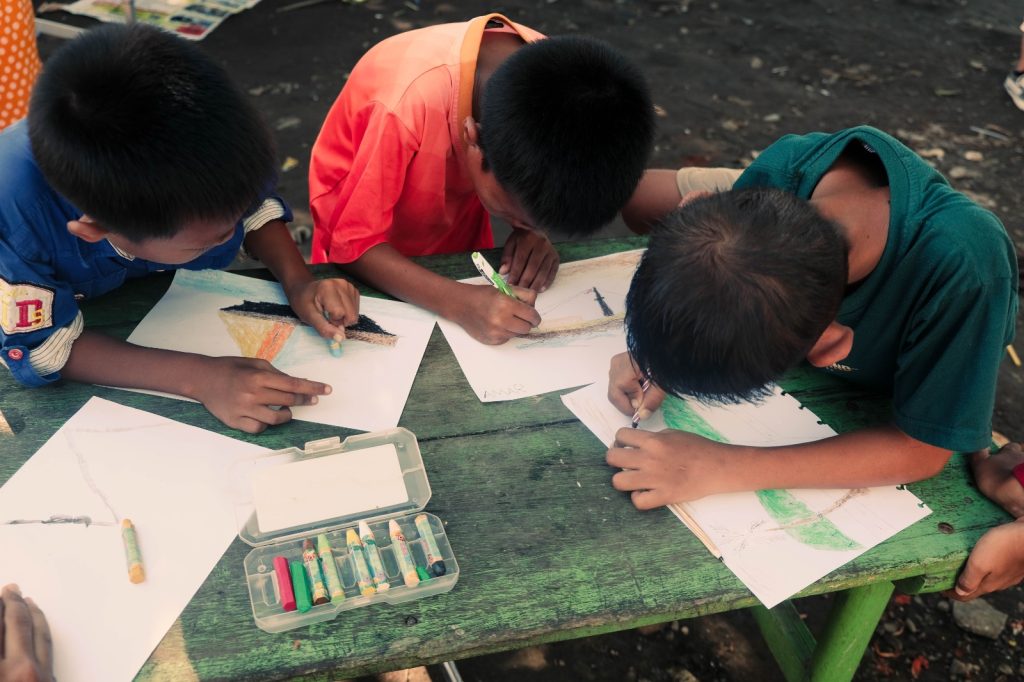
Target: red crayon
(284, 583)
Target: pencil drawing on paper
(589, 313)
(796, 519)
(261, 329)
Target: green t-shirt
(932, 319)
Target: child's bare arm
(654, 198)
(327, 305)
(675, 466)
(485, 313)
(238, 391)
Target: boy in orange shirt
(438, 127)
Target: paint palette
(338, 525)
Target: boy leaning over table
(846, 250)
(139, 155)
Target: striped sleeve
(53, 353)
(270, 209)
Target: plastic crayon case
(304, 507)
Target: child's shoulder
(26, 198)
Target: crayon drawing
(777, 542)
(191, 20)
(580, 330)
(170, 479)
(222, 314)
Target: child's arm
(675, 466)
(995, 563)
(484, 312)
(313, 300)
(238, 391)
(660, 191)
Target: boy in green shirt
(846, 250)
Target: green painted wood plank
(788, 638)
(846, 638)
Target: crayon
(330, 568)
(434, 561)
(402, 554)
(355, 548)
(334, 344)
(136, 573)
(299, 587)
(316, 581)
(421, 573)
(380, 578)
(284, 583)
(488, 273)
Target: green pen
(490, 275)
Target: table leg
(837, 655)
(848, 631)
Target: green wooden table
(547, 549)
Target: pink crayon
(284, 583)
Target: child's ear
(834, 344)
(471, 131)
(84, 228)
(474, 152)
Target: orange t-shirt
(21, 62)
(389, 163)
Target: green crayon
(299, 586)
(380, 578)
(330, 568)
(421, 573)
(363, 576)
(434, 560)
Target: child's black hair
(143, 132)
(566, 126)
(734, 289)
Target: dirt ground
(729, 78)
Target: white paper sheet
(581, 330)
(168, 478)
(370, 382)
(811, 533)
(328, 487)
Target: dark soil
(729, 78)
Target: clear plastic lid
(328, 484)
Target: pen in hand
(636, 415)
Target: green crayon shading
(300, 586)
(797, 519)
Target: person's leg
(21, 59)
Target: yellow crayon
(136, 573)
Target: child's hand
(529, 260)
(26, 651)
(995, 563)
(317, 300)
(994, 476)
(624, 388)
(668, 466)
(243, 392)
(491, 317)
